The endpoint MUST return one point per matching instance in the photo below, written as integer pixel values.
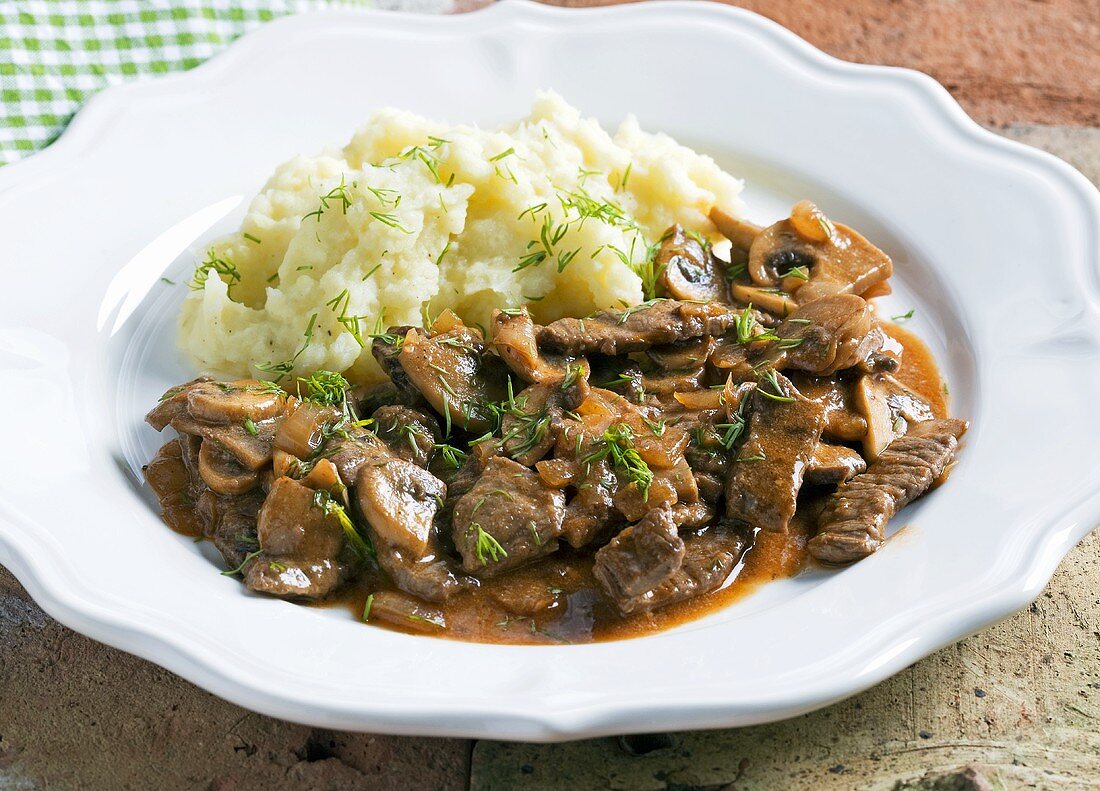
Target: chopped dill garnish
(486, 546)
(745, 325)
(777, 394)
(222, 267)
(904, 316)
(384, 196)
(167, 280)
(507, 153)
(617, 443)
(240, 568)
(735, 271)
(286, 366)
(626, 176)
(324, 500)
(390, 220)
(366, 607)
(573, 372)
(451, 455)
(798, 272)
(337, 193)
(250, 427)
(326, 388)
(250, 238)
(443, 252)
(373, 269)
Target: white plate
(996, 246)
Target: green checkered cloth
(55, 53)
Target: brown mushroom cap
(837, 259)
(741, 233)
(689, 270)
(888, 407)
(221, 471)
(236, 402)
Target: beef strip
(508, 518)
(656, 323)
(230, 523)
(780, 437)
(831, 464)
(641, 557)
(301, 545)
(709, 557)
(854, 520)
(843, 420)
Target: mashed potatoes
(414, 216)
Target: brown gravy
(578, 612)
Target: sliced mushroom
(771, 299)
(400, 500)
(235, 402)
(689, 270)
(836, 259)
(741, 233)
(514, 340)
(887, 405)
(221, 471)
(174, 403)
(684, 356)
(455, 375)
(386, 348)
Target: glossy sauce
(558, 601)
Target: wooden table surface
(1015, 706)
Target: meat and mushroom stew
(595, 477)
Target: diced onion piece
(324, 475)
(557, 472)
(700, 399)
(302, 431)
(811, 223)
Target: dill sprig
(617, 444)
(485, 546)
(325, 388)
(452, 456)
(337, 193)
(287, 366)
(240, 568)
(361, 546)
(777, 393)
(222, 267)
(745, 326)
